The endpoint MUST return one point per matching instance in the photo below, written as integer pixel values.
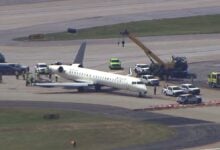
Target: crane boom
(176, 68)
(147, 51)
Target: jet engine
(60, 69)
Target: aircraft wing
(70, 85)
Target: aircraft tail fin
(80, 54)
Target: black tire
(213, 86)
(97, 88)
(81, 89)
(165, 93)
(140, 94)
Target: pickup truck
(172, 91)
(150, 80)
(189, 99)
(189, 88)
(41, 68)
(141, 69)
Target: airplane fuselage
(95, 77)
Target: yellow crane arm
(147, 51)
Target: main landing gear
(97, 88)
(142, 94)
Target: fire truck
(214, 79)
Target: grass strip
(27, 129)
(178, 26)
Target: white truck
(150, 80)
(41, 68)
(172, 90)
(141, 69)
(190, 89)
(189, 99)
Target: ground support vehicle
(172, 91)
(114, 63)
(190, 89)
(42, 68)
(214, 79)
(189, 99)
(141, 69)
(177, 68)
(150, 80)
(13, 69)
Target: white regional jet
(83, 77)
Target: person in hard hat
(56, 78)
(118, 43)
(123, 43)
(155, 90)
(73, 142)
(27, 81)
(31, 80)
(0, 78)
(17, 75)
(23, 75)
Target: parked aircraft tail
(80, 55)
